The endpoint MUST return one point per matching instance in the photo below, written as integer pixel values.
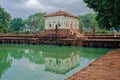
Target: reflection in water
(5, 61)
(54, 61)
(59, 65)
(35, 56)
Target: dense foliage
(5, 19)
(108, 12)
(17, 24)
(88, 21)
(36, 21)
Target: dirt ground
(105, 68)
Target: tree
(36, 21)
(89, 20)
(5, 19)
(17, 24)
(108, 12)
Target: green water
(44, 62)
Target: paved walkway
(105, 68)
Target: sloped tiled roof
(59, 13)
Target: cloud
(32, 3)
(36, 5)
(29, 4)
(23, 8)
(63, 1)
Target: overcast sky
(23, 8)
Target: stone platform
(105, 68)
(63, 38)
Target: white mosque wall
(62, 22)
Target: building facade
(61, 28)
(62, 20)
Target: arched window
(66, 23)
(53, 23)
(75, 24)
(49, 24)
(59, 24)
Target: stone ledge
(105, 68)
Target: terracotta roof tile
(58, 13)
